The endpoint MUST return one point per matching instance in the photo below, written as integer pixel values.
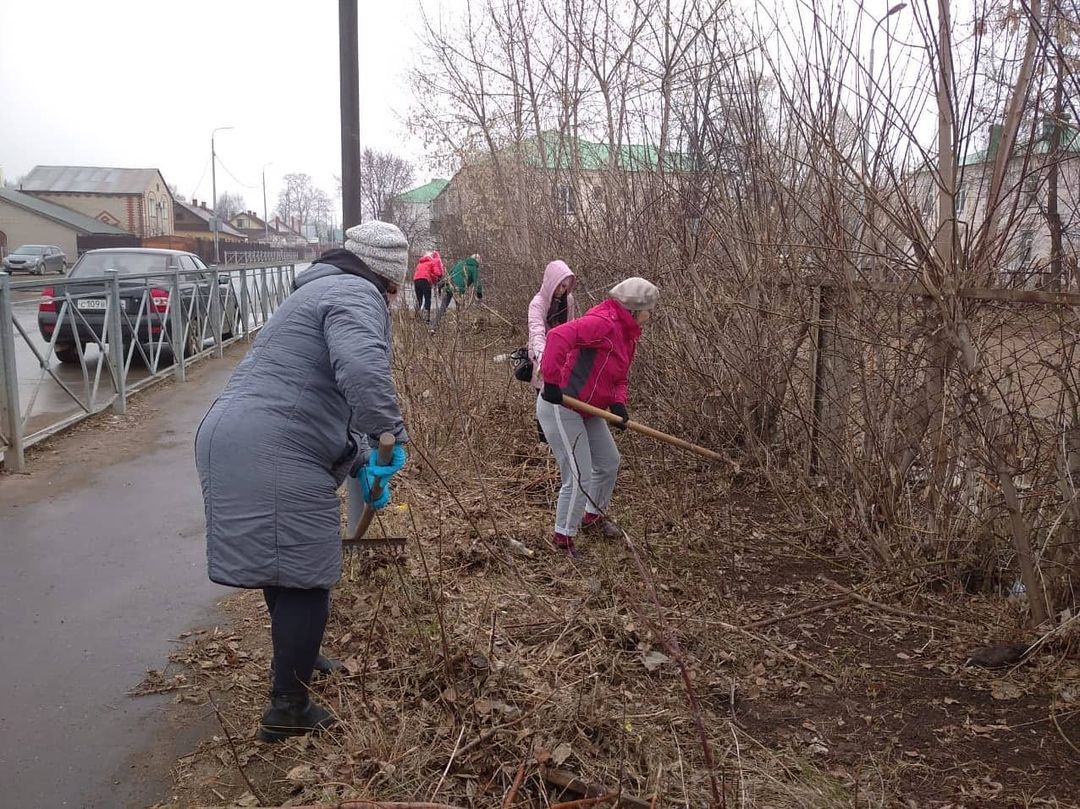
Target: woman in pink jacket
(428, 272)
(589, 359)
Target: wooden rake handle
(384, 456)
(637, 427)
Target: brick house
(135, 200)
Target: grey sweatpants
(588, 459)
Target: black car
(148, 295)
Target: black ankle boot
(328, 665)
(292, 715)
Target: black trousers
(423, 295)
(297, 622)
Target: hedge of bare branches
(860, 219)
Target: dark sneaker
(596, 522)
(292, 715)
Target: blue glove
(367, 483)
(371, 472)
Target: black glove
(619, 409)
(479, 296)
(551, 393)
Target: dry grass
(466, 659)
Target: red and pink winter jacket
(589, 358)
(554, 274)
(429, 268)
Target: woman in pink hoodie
(552, 306)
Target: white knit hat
(636, 294)
(382, 247)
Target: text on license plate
(91, 303)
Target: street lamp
(213, 187)
(870, 81)
(266, 223)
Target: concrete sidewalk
(102, 564)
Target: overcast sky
(141, 84)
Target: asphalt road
(102, 564)
(40, 394)
(50, 394)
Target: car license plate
(91, 303)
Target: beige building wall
(148, 214)
(123, 211)
(23, 227)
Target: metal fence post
(14, 457)
(116, 343)
(176, 327)
(245, 306)
(263, 295)
(215, 311)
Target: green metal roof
(1070, 142)
(557, 152)
(423, 194)
(58, 213)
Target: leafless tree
(322, 212)
(820, 194)
(229, 204)
(383, 175)
(295, 198)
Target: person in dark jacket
(298, 415)
(589, 359)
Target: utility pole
(213, 189)
(350, 113)
(266, 222)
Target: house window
(1031, 189)
(1027, 239)
(928, 203)
(961, 198)
(565, 201)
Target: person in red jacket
(427, 274)
(589, 359)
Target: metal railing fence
(60, 361)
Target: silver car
(36, 258)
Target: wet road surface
(102, 564)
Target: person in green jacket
(464, 274)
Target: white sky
(140, 83)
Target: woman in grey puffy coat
(297, 416)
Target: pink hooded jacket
(554, 274)
(429, 268)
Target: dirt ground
(483, 667)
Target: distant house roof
(89, 180)
(252, 216)
(58, 213)
(553, 151)
(204, 215)
(424, 193)
(1070, 142)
